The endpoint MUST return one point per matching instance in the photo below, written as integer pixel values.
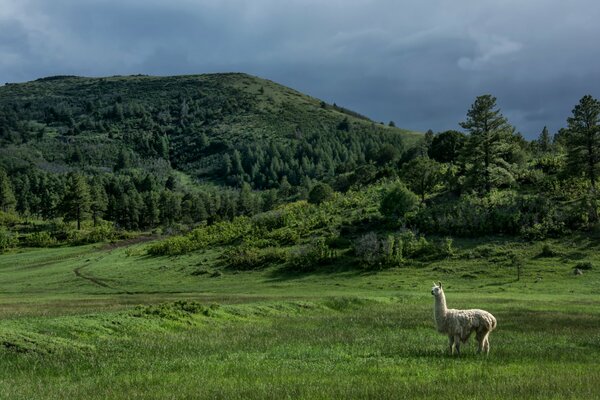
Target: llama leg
(457, 344)
(486, 343)
(450, 344)
(480, 341)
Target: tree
(386, 154)
(319, 193)
(7, 197)
(76, 200)
(99, 200)
(489, 144)
(398, 201)
(123, 160)
(427, 141)
(544, 142)
(583, 139)
(422, 175)
(446, 146)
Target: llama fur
(458, 325)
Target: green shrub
(320, 193)
(310, 256)
(8, 219)
(548, 251)
(398, 201)
(40, 239)
(284, 236)
(246, 257)
(8, 240)
(584, 265)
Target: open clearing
(97, 322)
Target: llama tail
(494, 323)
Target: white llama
(459, 324)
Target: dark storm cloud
(420, 64)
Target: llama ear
(440, 284)
(434, 284)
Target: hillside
(208, 126)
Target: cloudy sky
(419, 63)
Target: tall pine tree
(583, 139)
(489, 144)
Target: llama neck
(440, 309)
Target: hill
(222, 128)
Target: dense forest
(85, 159)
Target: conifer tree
(76, 200)
(489, 144)
(583, 139)
(99, 201)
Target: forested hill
(221, 128)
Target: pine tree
(489, 144)
(99, 201)
(544, 142)
(583, 138)
(76, 200)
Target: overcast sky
(419, 63)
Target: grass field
(104, 322)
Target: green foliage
(76, 200)
(504, 212)
(246, 257)
(40, 239)
(584, 265)
(311, 256)
(8, 240)
(447, 146)
(490, 147)
(398, 201)
(7, 197)
(319, 193)
(583, 139)
(422, 175)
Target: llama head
(436, 290)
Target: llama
(459, 324)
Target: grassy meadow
(102, 321)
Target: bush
(40, 239)
(398, 201)
(548, 251)
(8, 240)
(247, 257)
(320, 193)
(308, 257)
(584, 265)
(391, 251)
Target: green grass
(337, 333)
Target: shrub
(40, 239)
(8, 219)
(398, 201)
(310, 256)
(548, 251)
(320, 193)
(8, 240)
(285, 235)
(584, 265)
